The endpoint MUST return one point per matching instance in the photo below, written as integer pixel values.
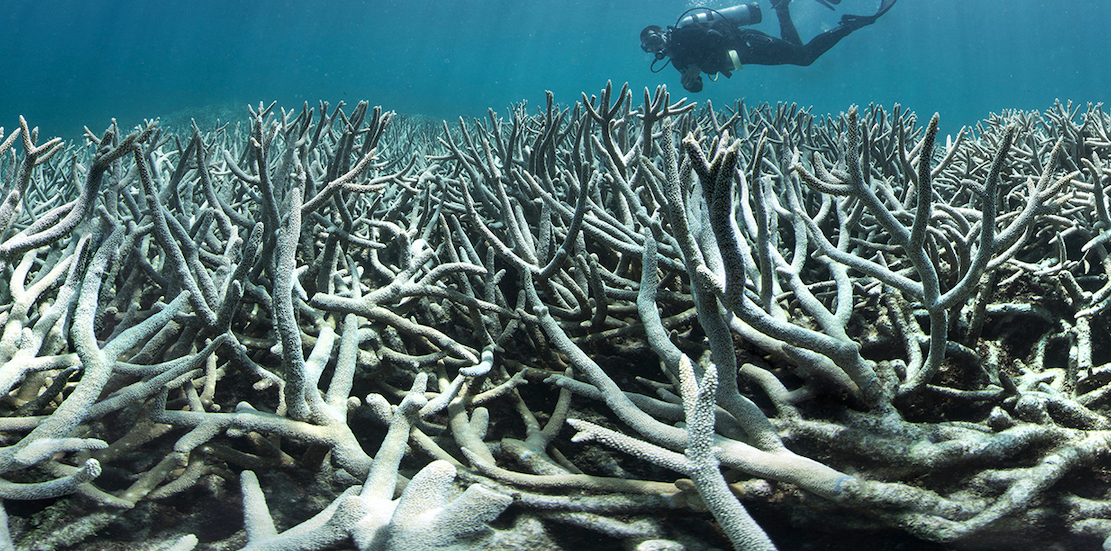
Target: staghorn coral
(827, 318)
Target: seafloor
(612, 324)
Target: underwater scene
(580, 275)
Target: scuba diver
(710, 41)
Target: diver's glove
(692, 79)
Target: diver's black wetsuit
(705, 46)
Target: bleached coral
(817, 314)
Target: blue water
(65, 64)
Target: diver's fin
(858, 21)
(829, 3)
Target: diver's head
(653, 39)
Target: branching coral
(832, 318)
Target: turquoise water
(70, 63)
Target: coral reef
(656, 326)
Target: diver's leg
(764, 49)
(786, 26)
(823, 42)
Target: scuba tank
(740, 15)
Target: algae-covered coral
(616, 322)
